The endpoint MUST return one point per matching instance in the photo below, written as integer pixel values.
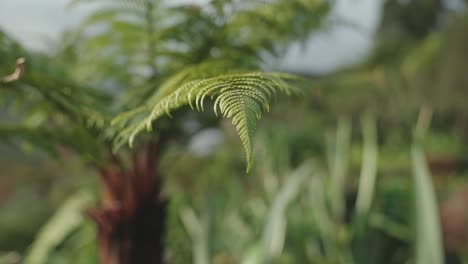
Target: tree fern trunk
(131, 220)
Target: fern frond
(243, 97)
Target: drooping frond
(243, 97)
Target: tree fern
(142, 50)
(243, 97)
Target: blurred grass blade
(67, 219)
(338, 151)
(324, 224)
(275, 228)
(428, 234)
(423, 122)
(197, 230)
(369, 167)
(391, 228)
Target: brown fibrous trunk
(131, 218)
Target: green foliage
(134, 57)
(428, 243)
(142, 43)
(338, 160)
(221, 44)
(274, 233)
(150, 59)
(144, 49)
(67, 219)
(368, 174)
(428, 236)
(43, 100)
(242, 97)
(287, 217)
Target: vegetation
(339, 173)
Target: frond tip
(243, 97)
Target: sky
(37, 23)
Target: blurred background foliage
(369, 165)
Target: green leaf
(369, 167)
(274, 232)
(338, 159)
(429, 248)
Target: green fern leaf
(243, 97)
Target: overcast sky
(37, 22)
